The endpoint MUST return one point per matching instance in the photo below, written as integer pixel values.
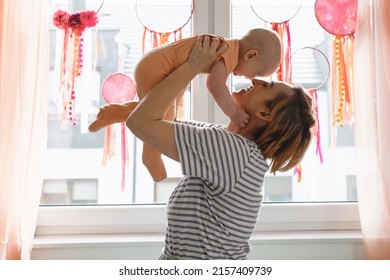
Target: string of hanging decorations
(316, 129)
(339, 19)
(70, 68)
(117, 88)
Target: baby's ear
(251, 54)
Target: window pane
(74, 159)
(74, 172)
(331, 180)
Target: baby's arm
(216, 84)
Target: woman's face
(258, 97)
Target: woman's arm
(147, 121)
(216, 83)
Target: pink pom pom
(88, 18)
(74, 21)
(60, 19)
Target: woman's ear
(251, 54)
(264, 116)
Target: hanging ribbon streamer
(315, 130)
(283, 72)
(339, 19)
(71, 61)
(342, 81)
(117, 88)
(279, 22)
(158, 38)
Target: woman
(213, 210)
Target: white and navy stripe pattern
(213, 210)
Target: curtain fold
(24, 66)
(372, 127)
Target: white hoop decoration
(272, 13)
(313, 49)
(161, 29)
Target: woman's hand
(205, 52)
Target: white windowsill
(119, 240)
(151, 219)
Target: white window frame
(211, 16)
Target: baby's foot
(112, 113)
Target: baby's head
(260, 53)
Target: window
(74, 159)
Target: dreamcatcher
(161, 30)
(316, 131)
(339, 19)
(71, 57)
(277, 15)
(117, 88)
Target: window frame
(211, 16)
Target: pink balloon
(118, 88)
(337, 17)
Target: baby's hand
(239, 119)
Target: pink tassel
(108, 148)
(154, 39)
(284, 70)
(298, 170)
(316, 129)
(143, 40)
(125, 155)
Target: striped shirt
(214, 208)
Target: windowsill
(119, 240)
(151, 219)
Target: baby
(258, 53)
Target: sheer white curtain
(372, 127)
(24, 66)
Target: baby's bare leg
(112, 113)
(151, 158)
